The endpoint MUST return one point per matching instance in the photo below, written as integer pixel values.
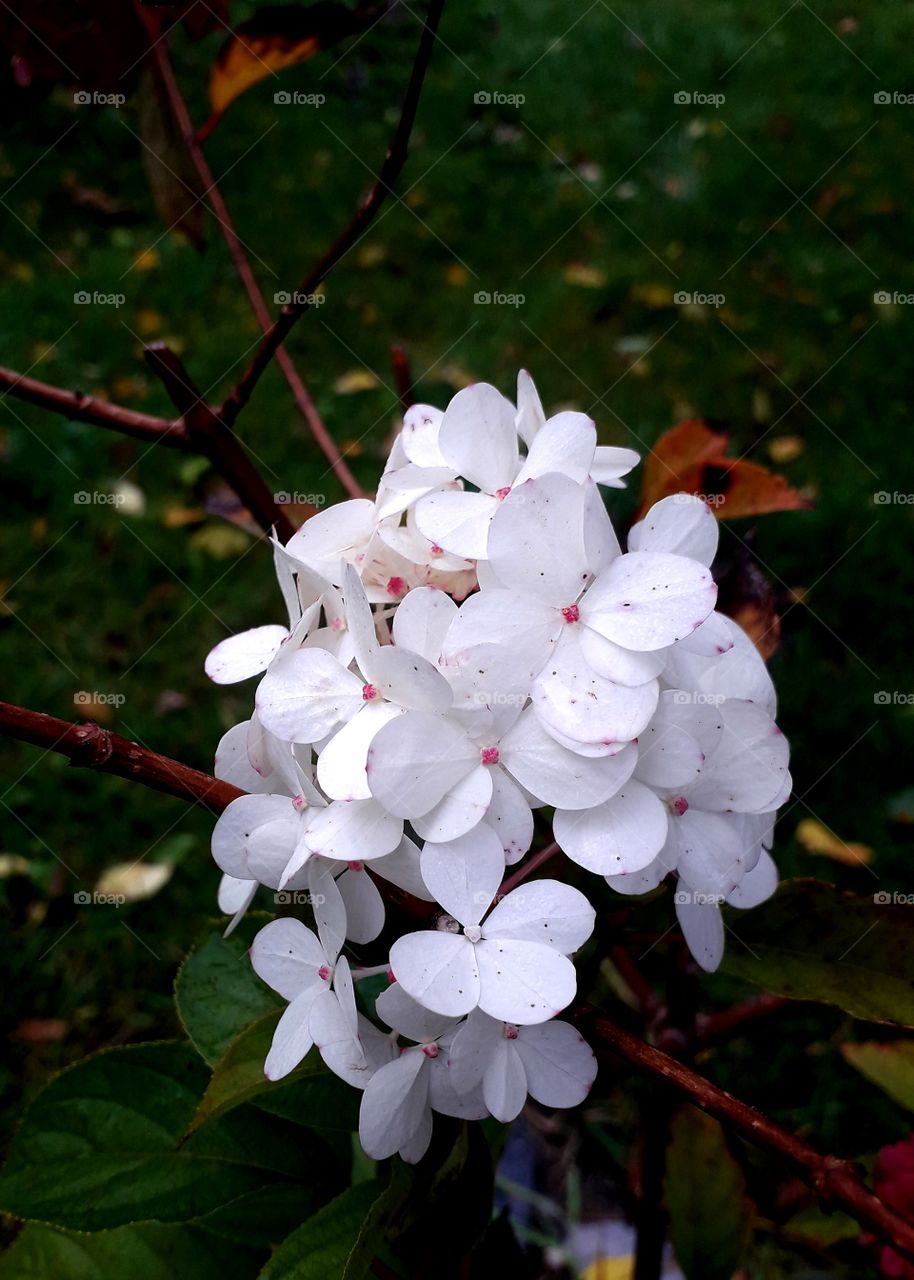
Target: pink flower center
(324, 972)
(430, 1050)
(357, 866)
(489, 755)
(503, 493)
(369, 692)
(298, 803)
(396, 586)
(510, 1031)
(571, 613)
(679, 806)
(436, 550)
(338, 624)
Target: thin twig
(528, 867)
(403, 376)
(100, 413)
(241, 263)
(393, 163)
(835, 1181)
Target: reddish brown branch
(91, 747)
(724, 1023)
(527, 868)
(100, 413)
(393, 163)
(217, 442)
(835, 1181)
(403, 377)
(241, 263)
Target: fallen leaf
(13, 864)
(816, 838)
(785, 448)
(355, 380)
(221, 541)
(134, 881)
(692, 458)
(587, 277)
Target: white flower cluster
(470, 647)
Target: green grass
(599, 169)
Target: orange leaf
(692, 458)
(278, 36)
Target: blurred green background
(598, 198)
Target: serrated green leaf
(100, 1146)
(710, 1213)
(152, 1251)
(888, 1066)
(263, 1218)
(813, 942)
(320, 1248)
(217, 993)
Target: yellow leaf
(610, 1269)
(654, 295)
(355, 380)
(785, 448)
(587, 277)
(817, 839)
(134, 881)
(221, 541)
(146, 260)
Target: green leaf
(218, 994)
(152, 1251)
(813, 942)
(381, 1223)
(310, 1096)
(101, 1145)
(263, 1218)
(319, 1249)
(888, 1066)
(710, 1213)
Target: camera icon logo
(882, 898)
(283, 898)
(882, 499)
(482, 98)
(82, 299)
(882, 698)
(82, 498)
(82, 98)
(82, 898)
(282, 498)
(682, 897)
(882, 97)
(682, 298)
(882, 297)
(682, 98)
(282, 299)
(482, 299)
(282, 98)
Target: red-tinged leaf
(888, 1066)
(692, 458)
(278, 36)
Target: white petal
(622, 835)
(254, 837)
(461, 809)
(624, 666)
(400, 488)
(530, 417)
(438, 969)
(738, 672)
(410, 1018)
(712, 639)
(523, 982)
(412, 1151)
(464, 874)
(306, 695)
(600, 542)
(234, 898)
(543, 911)
(504, 1084)
(510, 816)
(416, 760)
(421, 424)
(536, 540)
(565, 444)
(519, 630)
(394, 1105)
(359, 620)
(756, 885)
(747, 770)
(477, 437)
(364, 906)
(245, 655)
(287, 957)
(472, 1049)
(443, 1095)
(232, 763)
(643, 881)
(408, 680)
(457, 521)
(647, 599)
(680, 524)
(402, 869)
(611, 463)
(573, 701)
(353, 831)
(422, 620)
(559, 1063)
(713, 851)
(338, 1041)
(557, 776)
(702, 928)
(292, 1037)
(328, 907)
(670, 750)
(332, 536)
(341, 764)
